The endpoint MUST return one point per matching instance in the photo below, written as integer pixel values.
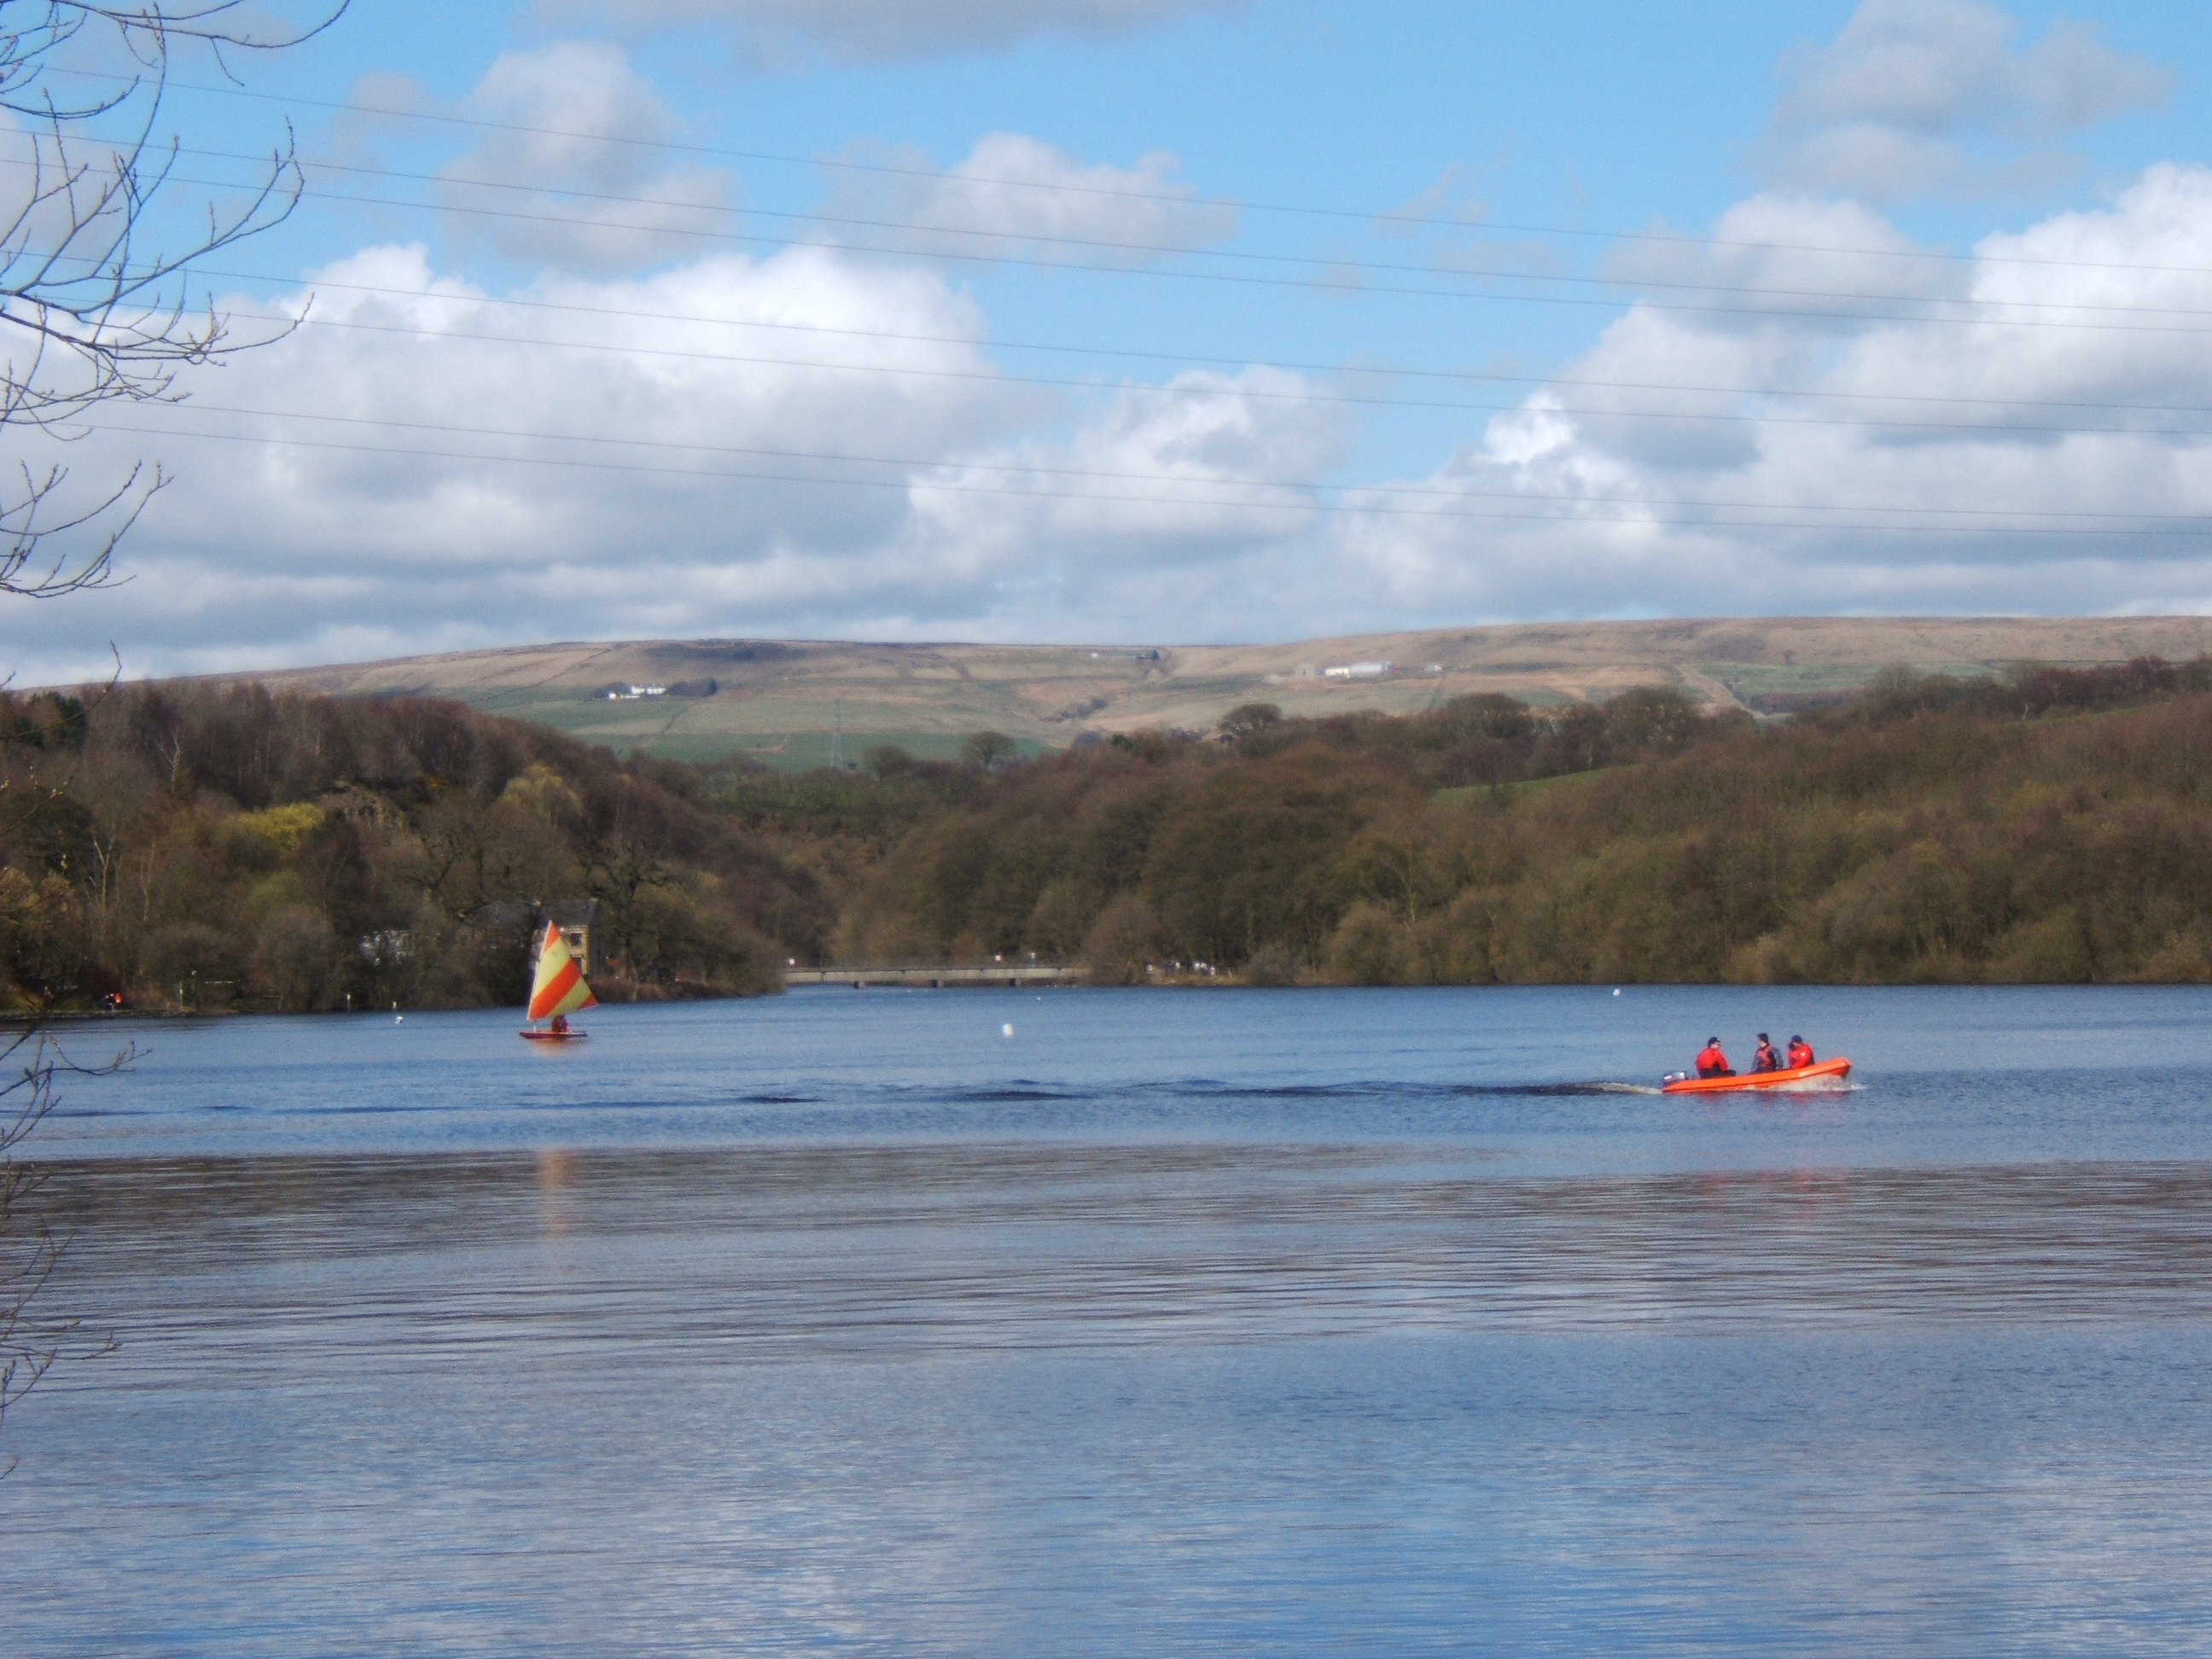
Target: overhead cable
(1028, 238)
(1243, 204)
(1307, 508)
(1379, 370)
(968, 463)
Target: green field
(696, 729)
(1759, 680)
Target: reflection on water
(1261, 1331)
(772, 1253)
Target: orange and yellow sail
(559, 986)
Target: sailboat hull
(553, 1036)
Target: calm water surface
(1300, 1322)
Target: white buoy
(1005, 1030)
(1616, 990)
(399, 1019)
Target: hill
(780, 701)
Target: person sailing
(1763, 1058)
(1801, 1054)
(1711, 1062)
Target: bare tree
(93, 307)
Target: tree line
(298, 851)
(2050, 825)
(233, 847)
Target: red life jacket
(1711, 1061)
(1801, 1054)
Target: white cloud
(318, 542)
(1571, 495)
(1155, 482)
(1184, 510)
(281, 547)
(1027, 200)
(895, 28)
(1909, 98)
(570, 177)
(1791, 255)
(1133, 514)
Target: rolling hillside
(780, 701)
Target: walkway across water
(936, 978)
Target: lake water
(1172, 1322)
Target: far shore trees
(2051, 825)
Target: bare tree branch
(92, 308)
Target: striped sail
(559, 987)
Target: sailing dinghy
(556, 991)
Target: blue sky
(1222, 375)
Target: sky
(1167, 321)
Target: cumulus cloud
(1909, 98)
(895, 28)
(1932, 456)
(1014, 197)
(570, 177)
(1942, 459)
(815, 444)
(1161, 481)
(409, 517)
(1793, 256)
(466, 483)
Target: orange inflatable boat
(1827, 1071)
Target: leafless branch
(94, 309)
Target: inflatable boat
(1827, 1071)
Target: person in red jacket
(1711, 1062)
(1801, 1053)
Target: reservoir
(1093, 1321)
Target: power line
(1765, 417)
(1305, 508)
(1257, 394)
(1242, 204)
(1322, 285)
(1386, 371)
(1031, 468)
(1108, 245)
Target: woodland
(2052, 824)
(221, 848)
(212, 848)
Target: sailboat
(556, 991)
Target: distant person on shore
(1801, 1054)
(1711, 1062)
(1763, 1058)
